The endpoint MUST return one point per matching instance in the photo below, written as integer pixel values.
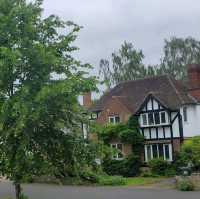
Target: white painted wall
(192, 126)
(175, 126)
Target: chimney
(87, 100)
(194, 76)
(194, 80)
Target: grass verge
(143, 181)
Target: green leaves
(126, 133)
(178, 53)
(127, 63)
(40, 81)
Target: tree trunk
(18, 190)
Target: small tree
(40, 115)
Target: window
(158, 151)
(163, 117)
(155, 150)
(185, 118)
(167, 153)
(117, 153)
(155, 118)
(150, 119)
(114, 119)
(148, 152)
(94, 116)
(144, 119)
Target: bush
(90, 176)
(111, 180)
(185, 185)
(161, 167)
(190, 153)
(128, 167)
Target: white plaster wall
(146, 133)
(155, 104)
(153, 133)
(160, 133)
(167, 132)
(175, 126)
(192, 126)
(149, 105)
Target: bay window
(158, 151)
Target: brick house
(168, 111)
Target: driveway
(38, 191)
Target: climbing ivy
(126, 132)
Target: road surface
(38, 191)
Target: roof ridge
(141, 79)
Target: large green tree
(39, 114)
(177, 54)
(126, 64)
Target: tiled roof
(168, 91)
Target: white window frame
(154, 124)
(117, 154)
(142, 121)
(114, 119)
(166, 118)
(164, 152)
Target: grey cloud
(146, 23)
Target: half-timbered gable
(160, 126)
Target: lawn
(142, 181)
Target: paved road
(37, 191)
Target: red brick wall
(194, 80)
(177, 144)
(114, 107)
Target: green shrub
(190, 153)
(161, 167)
(128, 167)
(90, 176)
(185, 185)
(111, 180)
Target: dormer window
(114, 119)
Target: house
(168, 111)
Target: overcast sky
(145, 23)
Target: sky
(145, 23)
